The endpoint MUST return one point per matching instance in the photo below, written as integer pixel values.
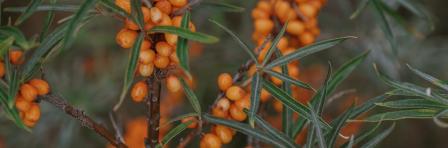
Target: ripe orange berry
(164, 6)
(178, 3)
(15, 56)
(166, 20)
(124, 4)
(283, 43)
(156, 15)
(224, 133)
(264, 95)
(146, 56)
(306, 38)
(173, 84)
(211, 141)
(126, 38)
(218, 112)
(129, 24)
(235, 93)
(41, 86)
(224, 81)
(243, 103)
(223, 104)
(2, 69)
(194, 124)
(237, 113)
(29, 123)
(146, 70)
(161, 61)
(278, 106)
(28, 92)
(33, 114)
(295, 27)
(22, 104)
(264, 26)
(282, 8)
(264, 6)
(164, 49)
(139, 91)
(146, 14)
(259, 14)
(307, 10)
(174, 58)
(171, 39)
(146, 45)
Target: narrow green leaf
(333, 134)
(14, 82)
(307, 50)
(237, 39)
(274, 132)
(363, 135)
(76, 20)
(30, 9)
(403, 114)
(394, 15)
(5, 45)
(419, 10)
(255, 97)
(411, 103)
(368, 105)
(43, 7)
(47, 24)
(287, 78)
(137, 11)
(273, 47)
(222, 6)
(130, 70)
(19, 38)
(384, 24)
(429, 78)
(180, 117)
(186, 33)
(287, 113)
(361, 6)
(319, 133)
(245, 129)
(411, 88)
(114, 8)
(289, 102)
(378, 138)
(191, 97)
(174, 132)
(182, 46)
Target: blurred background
(90, 74)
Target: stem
(85, 120)
(153, 112)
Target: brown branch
(85, 120)
(153, 111)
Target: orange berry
(173, 84)
(146, 56)
(194, 124)
(41, 86)
(307, 10)
(166, 20)
(223, 104)
(146, 14)
(224, 81)
(126, 38)
(146, 70)
(259, 14)
(243, 103)
(148, 26)
(129, 24)
(264, 6)
(164, 6)
(171, 39)
(22, 104)
(174, 58)
(15, 56)
(235, 93)
(252, 70)
(224, 133)
(218, 112)
(33, 114)
(306, 38)
(264, 26)
(278, 106)
(283, 43)
(211, 141)
(156, 15)
(139, 91)
(164, 49)
(146, 45)
(28, 92)
(2, 69)
(29, 123)
(161, 61)
(237, 113)
(282, 8)
(264, 95)
(295, 27)
(178, 3)
(124, 4)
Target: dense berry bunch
(157, 51)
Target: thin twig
(118, 134)
(79, 115)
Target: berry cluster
(25, 100)
(160, 53)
